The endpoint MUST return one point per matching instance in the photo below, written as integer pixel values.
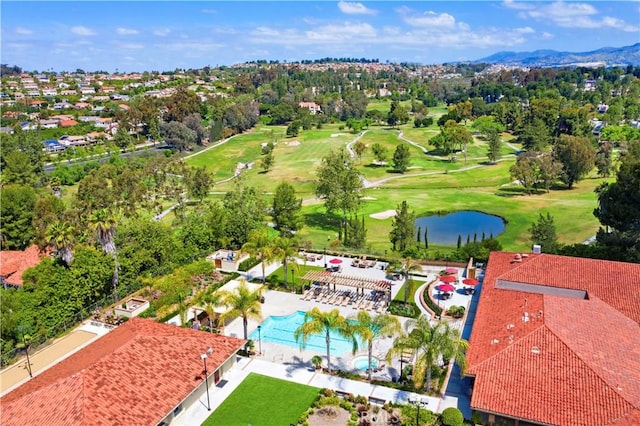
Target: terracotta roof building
(14, 262)
(556, 340)
(141, 373)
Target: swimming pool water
(280, 330)
(362, 362)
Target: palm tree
(242, 302)
(431, 342)
(209, 300)
(406, 266)
(104, 224)
(285, 249)
(259, 246)
(369, 328)
(60, 236)
(317, 321)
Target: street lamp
(259, 340)
(293, 280)
(418, 402)
(325, 256)
(204, 357)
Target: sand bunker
(368, 198)
(293, 143)
(384, 215)
(335, 135)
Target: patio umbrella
(335, 261)
(451, 270)
(448, 279)
(447, 288)
(470, 281)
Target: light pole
(259, 340)
(204, 357)
(325, 257)
(418, 402)
(293, 280)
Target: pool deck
(294, 364)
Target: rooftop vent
(525, 317)
(495, 341)
(535, 350)
(517, 258)
(510, 326)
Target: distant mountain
(607, 56)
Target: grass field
(432, 184)
(264, 401)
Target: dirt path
(16, 373)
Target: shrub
(452, 417)
(456, 311)
(248, 263)
(397, 307)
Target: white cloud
(82, 31)
(546, 36)
(161, 32)
(576, 15)
(431, 19)
(209, 11)
(353, 8)
(512, 4)
(126, 31)
(135, 46)
(23, 31)
(525, 30)
(341, 32)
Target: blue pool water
(445, 229)
(280, 330)
(362, 362)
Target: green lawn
(264, 401)
(298, 273)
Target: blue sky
(165, 35)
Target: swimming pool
(280, 330)
(362, 362)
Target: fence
(45, 337)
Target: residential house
(69, 92)
(33, 93)
(26, 125)
(62, 105)
(602, 108)
(52, 145)
(87, 90)
(555, 341)
(49, 124)
(313, 107)
(141, 373)
(49, 92)
(14, 262)
(74, 141)
(68, 123)
(82, 105)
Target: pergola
(327, 278)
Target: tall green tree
(259, 246)
(246, 211)
(199, 182)
(494, 145)
(369, 328)
(286, 209)
(209, 300)
(543, 232)
(408, 265)
(320, 322)
(401, 158)
(379, 152)
(431, 342)
(285, 250)
(402, 228)
(104, 224)
(577, 156)
(340, 185)
(17, 204)
(243, 302)
(61, 236)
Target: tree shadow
(322, 221)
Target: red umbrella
(470, 281)
(451, 270)
(447, 288)
(335, 261)
(448, 279)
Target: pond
(445, 229)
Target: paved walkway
(303, 374)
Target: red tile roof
(68, 123)
(14, 262)
(134, 375)
(557, 359)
